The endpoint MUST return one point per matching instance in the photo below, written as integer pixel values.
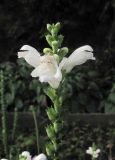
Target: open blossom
(27, 155)
(47, 68)
(92, 152)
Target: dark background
(84, 22)
(90, 87)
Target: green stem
(52, 130)
(15, 123)
(3, 109)
(36, 128)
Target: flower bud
(55, 29)
(47, 51)
(55, 46)
(49, 39)
(58, 26)
(63, 51)
(49, 27)
(60, 39)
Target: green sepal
(49, 149)
(57, 126)
(47, 51)
(57, 105)
(49, 39)
(51, 93)
(50, 132)
(55, 145)
(52, 114)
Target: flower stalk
(53, 129)
(3, 109)
(36, 128)
(54, 112)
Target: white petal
(95, 155)
(30, 54)
(98, 151)
(89, 151)
(78, 57)
(42, 70)
(3, 159)
(40, 157)
(26, 154)
(84, 48)
(54, 81)
(63, 62)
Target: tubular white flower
(78, 57)
(46, 67)
(27, 155)
(48, 71)
(3, 159)
(40, 157)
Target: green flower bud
(55, 29)
(60, 39)
(63, 51)
(49, 39)
(55, 46)
(58, 26)
(47, 51)
(49, 27)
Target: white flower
(93, 153)
(3, 159)
(27, 155)
(48, 69)
(40, 157)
